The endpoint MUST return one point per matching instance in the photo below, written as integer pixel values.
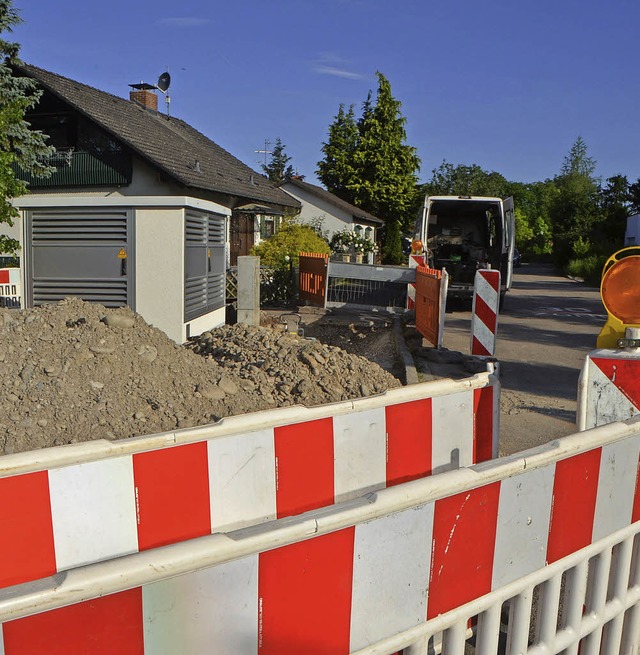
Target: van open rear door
(509, 236)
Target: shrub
(282, 249)
(588, 268)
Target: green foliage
(368, 163)
(337, 170)
(588, 268)
(278, 170)
(581, 247)
(282, 249)
(18, 143)
(392, 245)
(574, 208)
(463, 180)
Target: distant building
(632, 235)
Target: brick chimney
(145, 95)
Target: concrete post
(249, 290)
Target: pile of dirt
(76, 371)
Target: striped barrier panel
(415, 261)
(10, 288)
(484, 318)
(99, 500)
(430, 303)
(379, 573)
(609, 388)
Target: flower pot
(358, 258)
(346, 258)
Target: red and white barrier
(609, 388)
(101, 500)
(484, 319)
(10, 288)
(367, 572)
(415, 261)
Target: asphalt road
(546, 328)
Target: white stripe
(603, 400)
(616, 486)
(391, 563)
(524, 513)
(242, 479)
(452, 437)
(486, 291)
(359, 442)
(482, 333)
(212, 610)
(94, 512)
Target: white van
(465, 233)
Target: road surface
(546, 328)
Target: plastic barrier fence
(430, 303)
(484, 314)
(99, 500)
(609, 388)
(10, 288)
(379, 573)
(313, 278)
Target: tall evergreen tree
(376, 170)
(336, 171)
(18, 143)
(278, 170)
(574, 209)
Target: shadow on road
(542, 379)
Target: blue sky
(505, 84)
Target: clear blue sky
(506, 84)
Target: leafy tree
(336, 171)
(278, 170)
(574, 209)
(18, 143)
(634, 197)
(464, 180)
(379, 173)
(615, 201)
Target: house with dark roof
(335, 215)
(137, 209)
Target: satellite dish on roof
(163, 82)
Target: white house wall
(334, 218)
(632, 236)
(159, 280)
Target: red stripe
(409, 441)
(26, 529)
(4, 276)
(304, 593)
(478, 349)
(624, 374)
(493, 278)
(483, 424)
(464, 535)
(304, 466)
(172, 494)
(575, 488)
(486, 314)
(104, 626)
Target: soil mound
(76, 371)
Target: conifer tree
(278, 170)
(379, 173)
(336, 171)
(19, 144)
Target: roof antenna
(163, 85)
